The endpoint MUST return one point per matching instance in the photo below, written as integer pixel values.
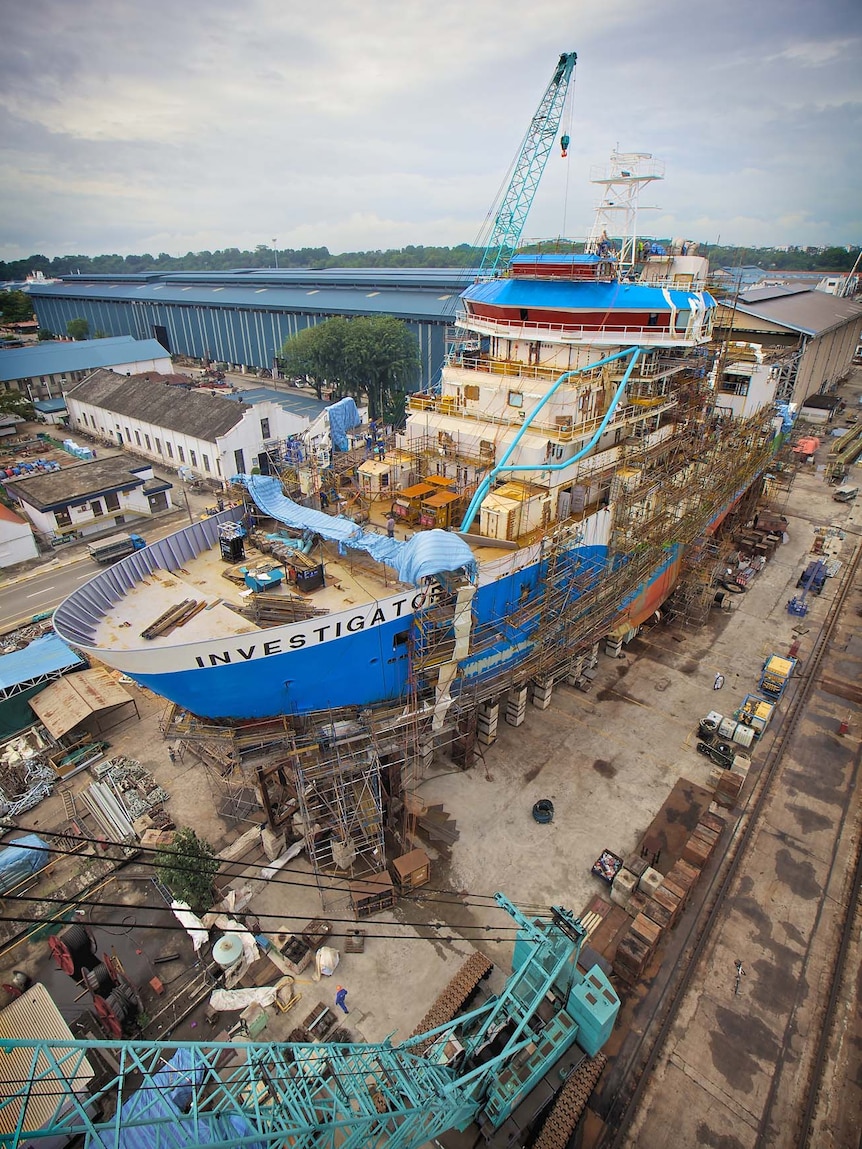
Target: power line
(436, 937)
(462, 896)
(281, 917)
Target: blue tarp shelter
(156, 1114)
(21, 858)
(426, 553)
(39, 662)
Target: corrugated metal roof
(64, 704)
(55, 358)
(294, 401)
(425, 278)
(77, 483)
(35, 1016)
(331, 298)
(49, 406)
(195, 413)
(44, 655)
(810, 312)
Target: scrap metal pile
(123, 792)
(26, 775)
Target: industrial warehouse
(242, 318)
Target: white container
(744, 735)
(727, 727)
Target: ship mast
(617, 210)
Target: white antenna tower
(617, 211)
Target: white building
(213, 436)
(747, 377)
(45, 370)
(17, 544)
(91, 498)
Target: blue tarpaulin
(21, 858)
(42, 656)
(342, 416)
(164, 1098)
(426, 553)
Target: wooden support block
(646, 929)
(695, 852)
(712, 822)
(658, 913)
(684, 874)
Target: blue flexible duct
(485, 485)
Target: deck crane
(518, 197)
(485, 1065)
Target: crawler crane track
(570, 1104)
(454, 997)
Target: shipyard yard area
(619, 763)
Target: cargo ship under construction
(551, 492)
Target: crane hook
(564, 145)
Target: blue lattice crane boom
(530, 163)
(477, 1066)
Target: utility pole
(188, 508)
(275, 251)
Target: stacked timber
(727, 784)
(683, 875)
(279, 609)
(177, 615)
(700, 845)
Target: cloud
(201, 125)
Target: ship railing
(649, 367)
(567, 432)
(608, 334)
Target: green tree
(318, 354)
(44, 334)
(383, 363)
(188, 867)
(77, 328)
(15, 307)
(14, 403)
(375, 357)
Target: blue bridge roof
(562, 295)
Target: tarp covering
(426, 553)
(163, 1099)
(21, 858)
(342, 416)
(45, 655)
(64, 704)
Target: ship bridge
(597, 313)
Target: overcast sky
(177, 125)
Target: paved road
(45, 587)
(42, 590)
